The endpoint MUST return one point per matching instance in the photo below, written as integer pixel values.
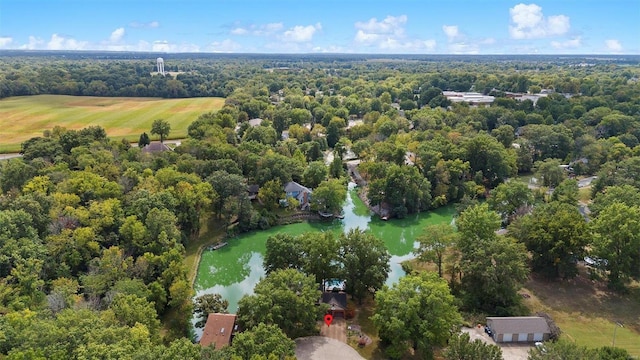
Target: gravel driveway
(324, 348)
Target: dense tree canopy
(418, 312)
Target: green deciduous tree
(460, 347)
(161, 128)
(314, 174)
(556, 234)
(418, 312)
(263, 340)
(329, 196)
(207, 304)
(286, 298)
(365, 262)
(493, 267)
(510, 200)
(617, 240)
(270, 193)
(434, 242)
(550, 172)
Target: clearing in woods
(24, 117)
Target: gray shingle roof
(293, 186)
(518, 325)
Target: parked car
(487, 329)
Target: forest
(93, 231)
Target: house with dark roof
(337, 303)
(298, 192)
(219, 330)
(253, 190)
(519, 328)
(155, 147)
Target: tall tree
(617, 240)
(556, 235)
(329, 196)
(434, 242)
(418, 312)
(365, 262)
(283, 252)
(510, 199)
(207, 304)
(493, 267)
(161, 128)
(143, 140)
(286, 298)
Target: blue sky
(305, 26)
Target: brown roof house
(519, 328)
(219, 330)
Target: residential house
(298, 192)
(337, 303)
(519, 328)
(155, 147)
(219, 330)
(253, 190)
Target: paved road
(513, 351)
(9, 156)
(324, 348)
(586, 181)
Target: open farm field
(24, 117)
(587, 312)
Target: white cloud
(166, 46)
(488, 41)
(143, 25)
(5, 41)
(528, 22)
(258, 29)
(390, 25)
(301, 33)
(389, 35)
(329, 49)
(58, 42)
(613, 45)
(451, 31)
(463, 48)
(225, 46)
(410, 46)
(568, 44)
(116, 35)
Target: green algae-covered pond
(234, 270)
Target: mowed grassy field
(587, 312)
(24, 117)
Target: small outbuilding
(519, 329)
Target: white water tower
(160, 65)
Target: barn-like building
(519, 328)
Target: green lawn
(25, 117)
(587, 312)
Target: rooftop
(218, 330)
(518, 324)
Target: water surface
(234, 270)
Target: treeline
(93, 232)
